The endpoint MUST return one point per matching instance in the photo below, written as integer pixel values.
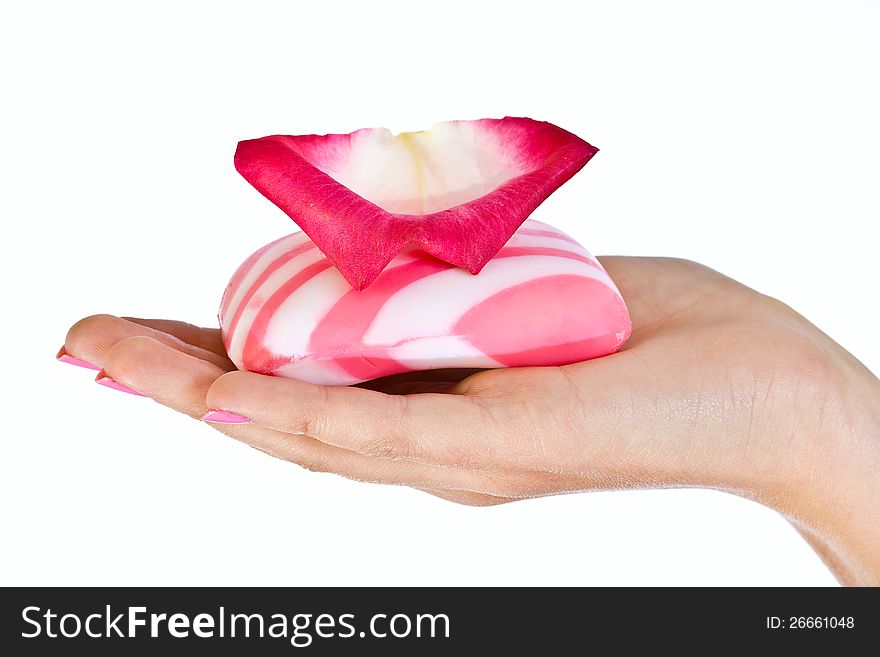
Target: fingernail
(65, 357)
(226, 417)
(105, 380)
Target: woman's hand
(718, 387)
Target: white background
(740, 134)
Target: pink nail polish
(226, 417)
(65, 357)
(104, 380)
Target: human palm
(718, 386)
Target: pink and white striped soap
(541, 300)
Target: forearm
(838, 507)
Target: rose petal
(458, 191)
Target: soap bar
(541, 300)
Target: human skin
(719, 387)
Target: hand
(718, 387)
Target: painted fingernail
(105, 380)
(226, 417)
(65, 357)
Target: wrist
(836, 496)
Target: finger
(91, 338)
(657, 288)
(197, 336)
(181, 382)
(166, 374)
(474, 488)
(468, 499)
(434, 428)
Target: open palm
(719, 386)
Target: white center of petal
(424, 172)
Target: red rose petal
(458, 191)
